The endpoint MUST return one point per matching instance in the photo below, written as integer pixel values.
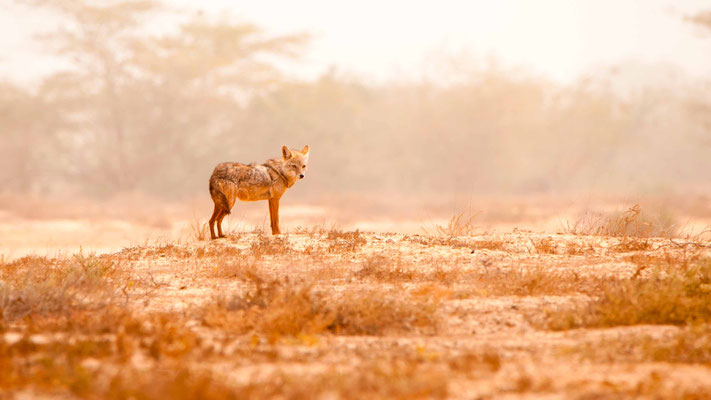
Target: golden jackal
(269, 181)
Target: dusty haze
(503, 200)
(423, 111)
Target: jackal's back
(230, 181)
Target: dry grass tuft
(631, 223)
(691, 345)
(341, 241)
(174, 381)
(233, 267)
(632, 244)
(688, 346)
(492, 244)
(200, 230)
(48, 366)
(453, 242)
(385, 379)
(167, 336)
(545, 245)
(272, 308)
(277, 308)
(270, 246)
(382, 268)
(674, 296)
(584, 248)
(34, 285)
(461, 224)
(666, 260)
(169, 250)
(531, 281)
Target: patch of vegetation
(491, 244)
(391, 379)
(38, 285)
(535, 280)
(233, 267)
(277, 308)
(201, 230)
(170, 250)
(341, 241)
(382, 268)
(461, 224)
(545, 245)
(270, 246)
(690, 345)
(631, 223)
(670, 296)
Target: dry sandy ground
(133, 305)
(476, 327)
(51, 228)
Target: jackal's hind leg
(215, 213)
(220, 217)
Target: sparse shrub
(277, 308)
(678, 297)
(526, 281)
(219, 251)
(169, 250)
(270, 245)
(168, 337)
(200, 229)
(175, 381)
(461, 224)
(584, 248)
(631, 223)
(445, 275)
(629, 244)
(233, 267)
(689, 345)
(666, 260)
(50, 366)
(491, 244)
(384, 269)
(345, 241)
(545, 245)
(384, 379)
(371, 313)
(452, 242)
(273, 309)
(474, 364)
(39, 285)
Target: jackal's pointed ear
(286, 152)
(305, 150)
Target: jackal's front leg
(274, 215)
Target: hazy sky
(384, 39)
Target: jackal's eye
(303, 166)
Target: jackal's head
(296, 161)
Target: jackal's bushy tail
(220, 198)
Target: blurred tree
(702, 109)
(18, 156)
(147, 108)
(702, 18)
(29, 156)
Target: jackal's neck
(277, 167)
